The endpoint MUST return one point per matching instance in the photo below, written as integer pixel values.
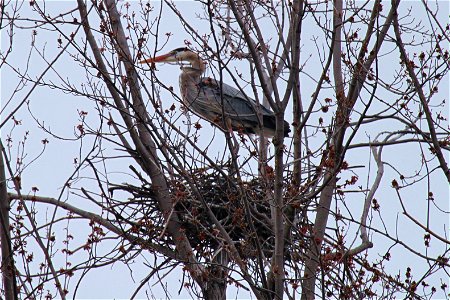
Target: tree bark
(215, 291)
(215, 287)
(7, 267)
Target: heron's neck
(198, 64)
(189, 82)
(192, 74)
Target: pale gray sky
(60, 114)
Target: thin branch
(409, 64)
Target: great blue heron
(204, 97)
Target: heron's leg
(235, 144)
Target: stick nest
(243, 209)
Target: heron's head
(178, 55)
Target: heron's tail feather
(269, 123)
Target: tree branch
(409, 64)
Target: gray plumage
(223, 105)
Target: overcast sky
(59, 113)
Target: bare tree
(337, 210)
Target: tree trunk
(7, 267)
(215, 290)
(215, 286)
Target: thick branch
(99, 220)
(7, 262)
(142, 139)
(35, 230)
(345, 106)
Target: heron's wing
(213, 101)
(243, 109)
(235, 104)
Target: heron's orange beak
(156, 59)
